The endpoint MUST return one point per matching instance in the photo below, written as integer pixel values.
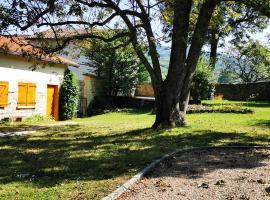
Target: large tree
(138, 21)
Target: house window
(3, 94)
(27, 94)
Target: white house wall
(14, 70)
(74, 52)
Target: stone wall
(93, 86)
(12, 111)
(245, 91)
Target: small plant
(252, 97)
(38, 118)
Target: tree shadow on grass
(259, 104)
(72, 152)
(263, 123)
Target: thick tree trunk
(183, 102)
(168, 114)
(169, 111)
(172, 94)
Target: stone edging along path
(125, 187)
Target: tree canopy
(120, 68)
(249, 61)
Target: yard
(88, 158)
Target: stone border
(125, 187)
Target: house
(90, 84)
(29, 79)
(72, 51)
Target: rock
(267, 190)
(181, 193)
(24, 176)
(161, 183)
(261, 181)
(230, 198)
(203, 185)
(244, 197)
(162, 190)
(220, 182)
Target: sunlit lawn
(90, 159)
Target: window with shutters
(26, 94)
(3, 94)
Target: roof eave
(69, 63)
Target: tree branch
(37, 17)
(133, 37)
(84, 36)
(200, 32)
(79, 22)
(182, 9)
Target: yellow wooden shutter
(22, 94)
(27, 94)
(31, 94)
(3, 94)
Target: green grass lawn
(91, 157)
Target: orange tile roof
(20, 47)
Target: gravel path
(227, 174)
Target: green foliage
(250, 62)
(119, 67)
(38, 118)
(226, 76)
(69, 96)
(219, 109)
(229, 18)
(203, 81)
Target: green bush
(69, 96)
(203, 82)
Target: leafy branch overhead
(249, 62)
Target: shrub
(203, 82)
(69, 96)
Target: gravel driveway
(227, 174)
